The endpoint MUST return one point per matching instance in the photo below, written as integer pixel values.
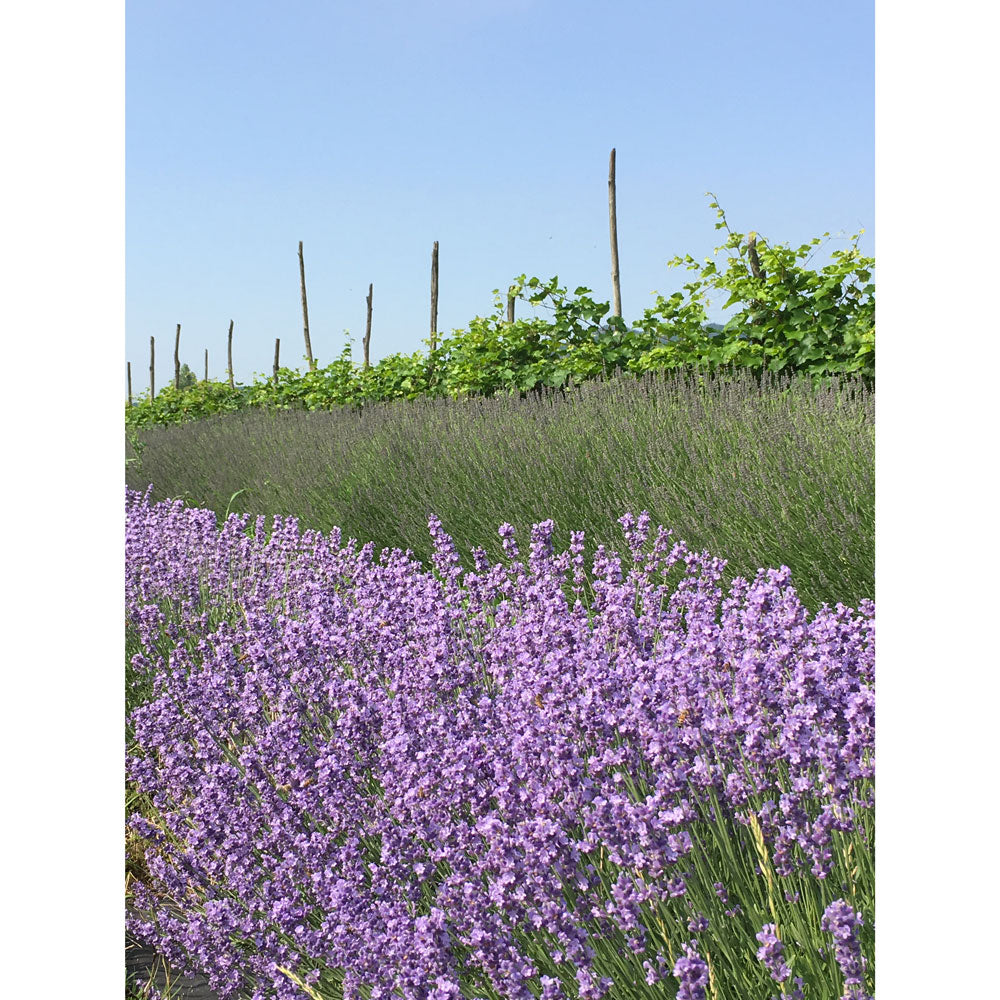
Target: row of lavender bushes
(762, 470)
(354, 776)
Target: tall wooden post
(230, 355)
(510, 307)
(305, 309)
(129, 363)
(758, 272)
(368, 327)
(755, 269)
(277, 345)
(177, 358)
(614, 236)
(152, 367)
(434, 296)
(206, 364)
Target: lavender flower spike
(692, 974)
(840, 920)
(772, 953)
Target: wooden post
(177, 358)
(510, 307)
(614, 236)
(305, 309)
(152, 367)
(755, 269)
(206, 364)
(129, 363)
(758, 272)
(368, 327)
(277, 345)
(230, 353)
(434, 296)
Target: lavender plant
(359, 777)
(764, 471)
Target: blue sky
(370, 130)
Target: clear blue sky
(369, 130)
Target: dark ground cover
(144, 968)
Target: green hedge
(786, 318)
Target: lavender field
(546, 774)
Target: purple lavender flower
(797, 992)
(331, 738)
(772, 953)
(840, 920)
(691, 973)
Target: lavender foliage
(761, 469)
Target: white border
(62, 264)
(936, 455)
